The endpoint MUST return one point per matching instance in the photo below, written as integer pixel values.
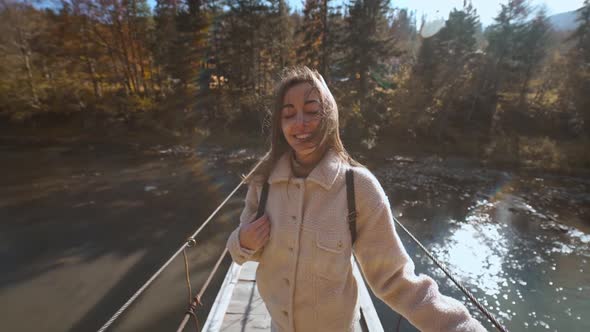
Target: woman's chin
(306, 151)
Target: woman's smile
(302, 138)
(300, 119)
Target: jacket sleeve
(238, 253)
(390, 271)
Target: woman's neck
(303, 166)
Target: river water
(83, 225)
(519, 241)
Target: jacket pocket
(331, 260)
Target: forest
(516, 91)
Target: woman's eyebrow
(309, 101)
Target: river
(83, 225)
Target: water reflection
(476, 253)
(519, 243)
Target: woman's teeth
(302, 136)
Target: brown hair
(329, 125)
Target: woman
(303, 242)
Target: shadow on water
(83, 229)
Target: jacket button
(294, 218)
(285, 313)
(298, 185)
(287, 281)
(291, 249)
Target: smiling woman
(304, 242)
(304, 122)
(300, 118)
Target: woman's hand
(255, 234)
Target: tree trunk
(324, 56)
(525, 85)
(363, 88)
(92, 72)
(26, 57)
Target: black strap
(351, 204)
(262, 203)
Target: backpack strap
(262, 203)
(351, 204)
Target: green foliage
(368, 44)
(445, 75)
(541, 152)
(312, 33)
(516, 47)
(212, 64)
(575, 93)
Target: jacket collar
(324, 173)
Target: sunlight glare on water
(476, 253)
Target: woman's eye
(288, 113)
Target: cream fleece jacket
(305, 275)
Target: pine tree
(575, 94)
(442, 57)
(368, 44)
(247, 50)
(166, 34)
(426, 68)
(312, 34)
(403, 31)
(456, 40)
(503, 49)
(532, 51)
(443, 71)
(190, 45)
(281, 33)
(516, 48)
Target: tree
(456, 40)
(403, 31)
(454, 51)
(283, 39)
(165, 37)
(516, 47)
(21, 25)
(248, 53)
(503, 49)
(189, 48)
(368, 44)
(443, 77)
(575, 94)
(313, 32)
(533, 46)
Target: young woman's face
(300, 119)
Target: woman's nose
(300, 119)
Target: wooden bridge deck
(238, 306)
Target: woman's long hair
(328, 127)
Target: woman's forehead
(301, 92)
